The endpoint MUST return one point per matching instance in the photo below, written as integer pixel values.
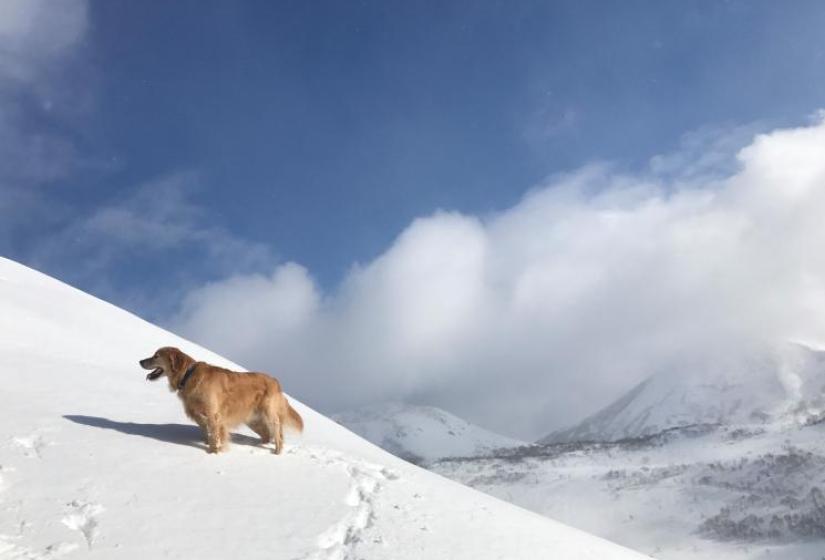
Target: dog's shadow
(181, 434)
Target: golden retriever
(218, 399)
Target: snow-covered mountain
(725, 461)
(705, 492)
(784, 384)
(421, 433)
(96, 462)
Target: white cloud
(531, 318)
(284, 303)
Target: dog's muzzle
(148, 364)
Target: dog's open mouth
(154, 374)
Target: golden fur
(218, 399)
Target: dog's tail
(293, 419)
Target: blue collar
(189, 371)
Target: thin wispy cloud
(546, 311)
(46, 99)
(41, 44)
(35, 36)
(154, 227)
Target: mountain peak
(779, 384)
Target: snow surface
(96, 462)
(783, 384)
(421, 433)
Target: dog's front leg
(205, 430)
(200, 418)
(213, 433)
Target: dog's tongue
(154, 374)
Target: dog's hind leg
(280, 436)
(261, 429)
(276, 430)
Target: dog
(218, 399)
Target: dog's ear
(175, 359)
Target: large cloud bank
(528, 319)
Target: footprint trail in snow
(366, 479)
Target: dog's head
(165, 361)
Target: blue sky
(320, 130)
(177, 157)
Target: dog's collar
(189, 371)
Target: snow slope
(421, 433)
(782, 384)
(96, 462)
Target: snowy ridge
(421, 433)
(96, 462)
(782, 384)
